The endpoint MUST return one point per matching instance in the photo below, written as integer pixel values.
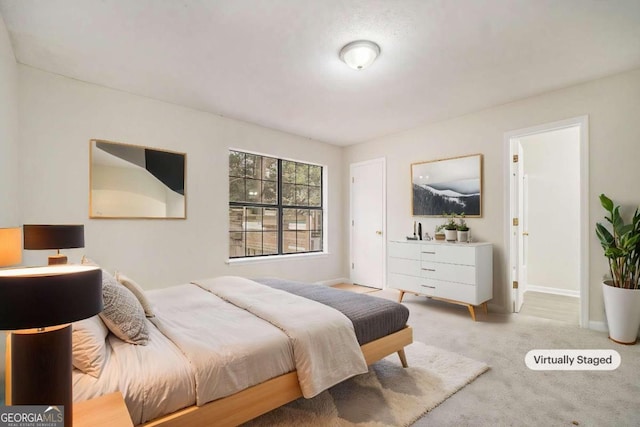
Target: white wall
(551, 162)
(61, 115)
(9, 206)
(613, 107)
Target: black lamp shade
(47, 296)
(53, 236)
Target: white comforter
(229, 349)
(325, 347)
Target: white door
(520, 228)
(368, 223)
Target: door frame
(383, 162)
(583, 123)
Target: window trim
(260, 259)
(281, 255)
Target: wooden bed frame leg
(403, 358)
(401, 295)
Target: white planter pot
(622, 307)
(450, 235)
(463, 236)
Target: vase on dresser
(463, 236)
(450, 235)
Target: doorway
(368, 223)
(547, 220)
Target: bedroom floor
(510, 394)
(549, 306)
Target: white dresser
(461, 273)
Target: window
(275, 206)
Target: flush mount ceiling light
(359, 54)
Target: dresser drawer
(404, 250)
(449, 290)
(427, 288)
(404, 266)
(448, 272)
(450, 254)
(404, 282)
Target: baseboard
(598, 326)
(495, 308)
(601, 326)
(333, 281)
(554, 291)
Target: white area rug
(388, 395)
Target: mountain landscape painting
(441, 187)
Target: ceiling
(275, 62)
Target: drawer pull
(429, 269)
(427, 286)
(427, 252)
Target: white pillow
(122, 312)
(89, 345)
(137, 290)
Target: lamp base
(57, 259)
(41, 369)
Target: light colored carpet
(510, 394)
(388, 395)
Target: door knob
(379, 233)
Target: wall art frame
(444, 186)
(129, 181)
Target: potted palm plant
(621, 293)
(463, 229)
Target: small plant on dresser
(463, 229)
(451, 228)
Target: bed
(223, 351)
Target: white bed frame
(262, 398)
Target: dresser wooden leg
(472, 311)
(403, 358)
(484, 306)
(401, 295)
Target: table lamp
(10, 248)
(57, 237)
(37, 304)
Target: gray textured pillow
(122, 312)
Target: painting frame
(450, 185)
(128, 181)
